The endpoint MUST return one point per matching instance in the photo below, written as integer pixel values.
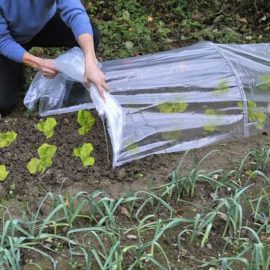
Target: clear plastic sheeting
(168, 102)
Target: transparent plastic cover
(170, 101)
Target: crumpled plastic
(170, 101)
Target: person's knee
(11, 74)
(7, 105)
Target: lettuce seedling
(3, 172)
(254, 115)
(84, 154)
(265, 82)
(222, 88)
(46, 153)
(47, 127)
(210, 126)
(173, 107)
(7, 138)
(86, 120)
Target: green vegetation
(3, 172)
(46, 153)
(106, 233)
(86, 120)
(7, 138)
(137, 27)
(265, 82)
(211, 125)
(47, 127)
(254, 115)
(84, 153)
(173, 107)
(222, 88)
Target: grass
(131, 232)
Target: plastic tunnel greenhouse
(170, 101)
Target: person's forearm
(86, 42)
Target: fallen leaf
(131, 237)
(243, 20)
(125, 212)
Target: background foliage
(135, 27)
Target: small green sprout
(46, 153)
(47, 127)
(7, 138)
(84, 154)
(86, 120)
(3, 172)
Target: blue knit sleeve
(8, 46)
(74, 15)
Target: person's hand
(93, 74)
(47, 68)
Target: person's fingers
(48, 76)
(52, 71)
(101, 91)
(86, 85)
(86, 82)
(48, 73)
(50, 65)
(105, 86)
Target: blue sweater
(21, 20)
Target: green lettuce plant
(86, 120)
(133, 147)
(3, 172)
(210, 126)
(265, 82)
(84, 154)
(47, 127)
(254, 115)
(168, 107)
(7, 138)
(46, 153)
(222, 88)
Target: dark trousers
(54, 34)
